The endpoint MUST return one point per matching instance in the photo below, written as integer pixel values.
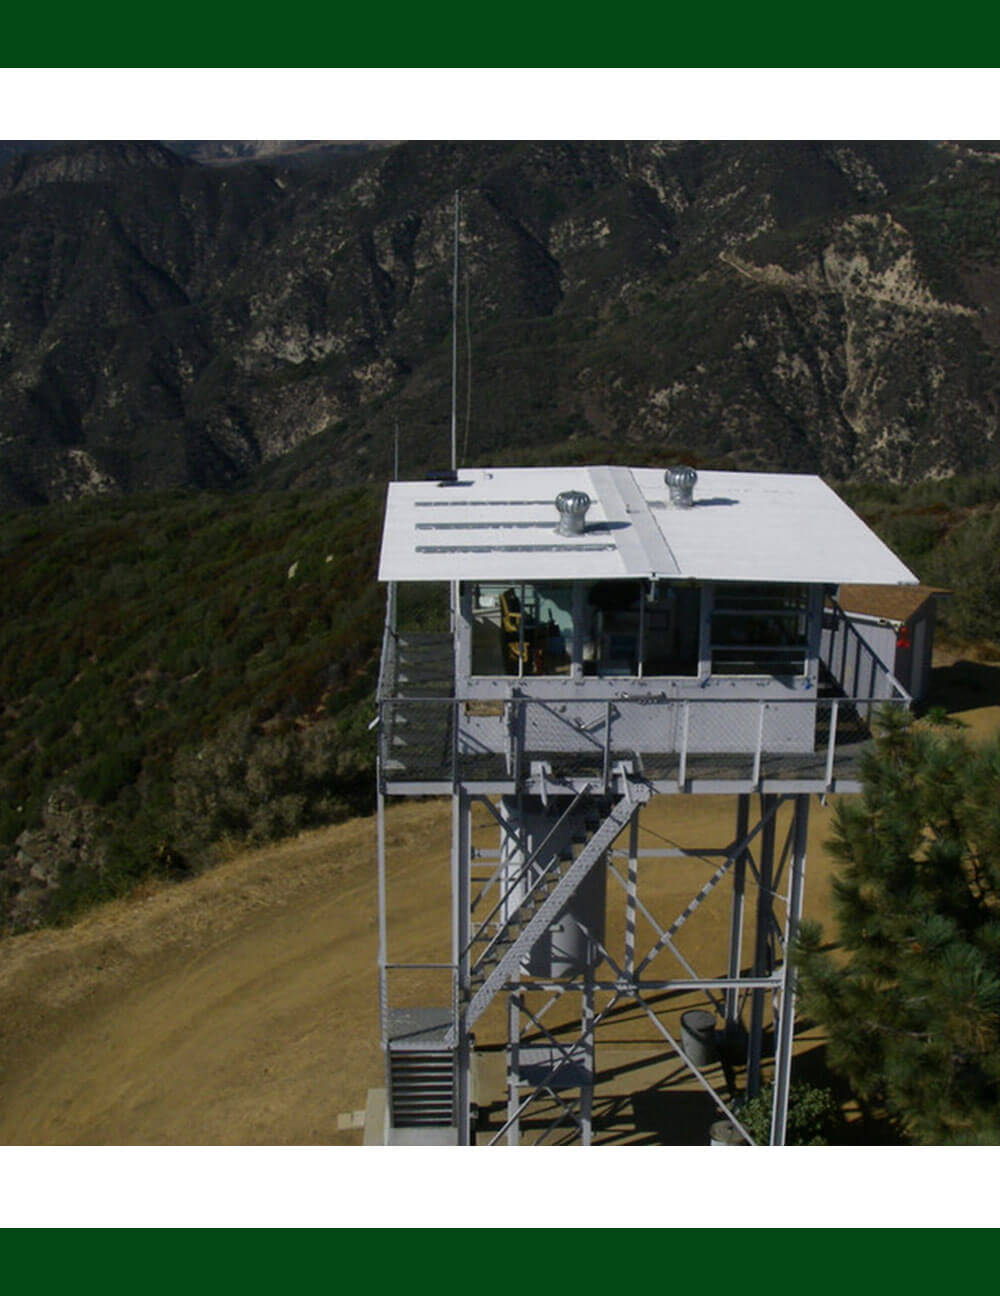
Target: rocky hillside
(166, 322)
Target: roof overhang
(500, 524)
(879, 604)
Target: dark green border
(511, 35)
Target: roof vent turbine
(572, 506)
(680, 482)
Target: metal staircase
(548, 892)
(421, 1077)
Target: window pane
(759, 630)
(522, 629)
(551, 628)
(611, 628)
(673, 619)
(490, 655)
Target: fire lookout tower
(614, 634)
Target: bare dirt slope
(237, 1008)
(240, 1007)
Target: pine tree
(910, 999)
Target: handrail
(522, 871)
(387, 667)
(810, 699)
(388, 660)
(384, 995)
(851, 629)
(440, 967)
(842, 715)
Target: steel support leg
(587, 1033)
(736, 916)
(461, 823)
(513, 1068)
(631, 895)
(382, 955)
(762, 945)
(785, 1026)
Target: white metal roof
(500, 524)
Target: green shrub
(910, 1004)
(135, 631)
(12, 822)
(814, 1116)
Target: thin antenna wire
(468, 368)
(454, 346)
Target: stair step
(422, 1087)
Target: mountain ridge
(826, 307)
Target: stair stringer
(547, 912)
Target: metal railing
(527, 875)
(390, 647)
(732, 739)
(852, 666)
(735, 730)
(416, 994)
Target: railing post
(454, 743)
(606, 772)
(831, 746)
(842, 623)
(856, 681)
(683, 759)
(760, 746)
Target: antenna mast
(454, 345)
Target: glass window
(611, 620)
(628, 628)
(760, 629)
(522, 629)
(672, 630)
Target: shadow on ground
(964, 686)
(673, 1112)
(672, 1118)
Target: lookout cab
(612, 634)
